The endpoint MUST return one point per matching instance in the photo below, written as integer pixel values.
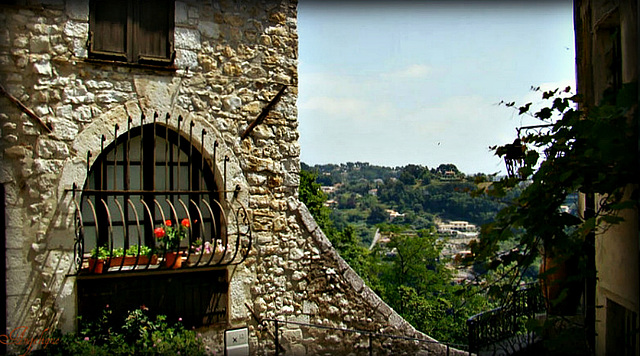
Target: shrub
(139, 334)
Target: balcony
(502, 330)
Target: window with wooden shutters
(138, 31)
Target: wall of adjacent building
(616, 248)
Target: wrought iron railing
(150, 185)
(500, 324)
(367, 342)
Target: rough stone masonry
(231, 57)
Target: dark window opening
(150, 175)
(622, 330)
(198, 298)
(137, 31)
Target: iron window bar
(121, 211)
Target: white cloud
(414, 71)
(333, 106)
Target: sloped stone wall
(231, 59)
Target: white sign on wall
(236, 342)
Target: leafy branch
(590, 150)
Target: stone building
(117, 117)
(607, 38)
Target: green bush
(139, 335)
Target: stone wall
(231, 59)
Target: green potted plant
(98, 259)
(116, 257)
(139, 255)
(169, 237)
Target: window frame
(133, 36)
(110, 179)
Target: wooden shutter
(154, 31)
(108, 26)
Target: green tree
(314, 198)
(416, 283)
(377, 215)
(345, 241)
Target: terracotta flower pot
(173, 260)
(560, 289)
(131, 261)
(96, 265)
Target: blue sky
(418, 82)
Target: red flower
(159, 232)
(167, 222)
(185, 222)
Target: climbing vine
(575, 149)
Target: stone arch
(89, 140)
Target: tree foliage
(588, 150)
(416, 283)
(408, 274)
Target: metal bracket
(264, 113)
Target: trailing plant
(575, 149)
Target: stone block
(181, 13)
(64, 129)
(385, 310)
(46, 148)
(209, 29)
(306, 217)
(186, 59)
(21, 41)
(370, 297)
(42, 68)
(76, 29)
(187, 38)
(17, 151)
(77, 10)
(353, 279)
(231, 103)
(39, 44)
(232, 69)
(79, 48)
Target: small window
(622, 330)
(138, 31)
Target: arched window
(153, 206)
